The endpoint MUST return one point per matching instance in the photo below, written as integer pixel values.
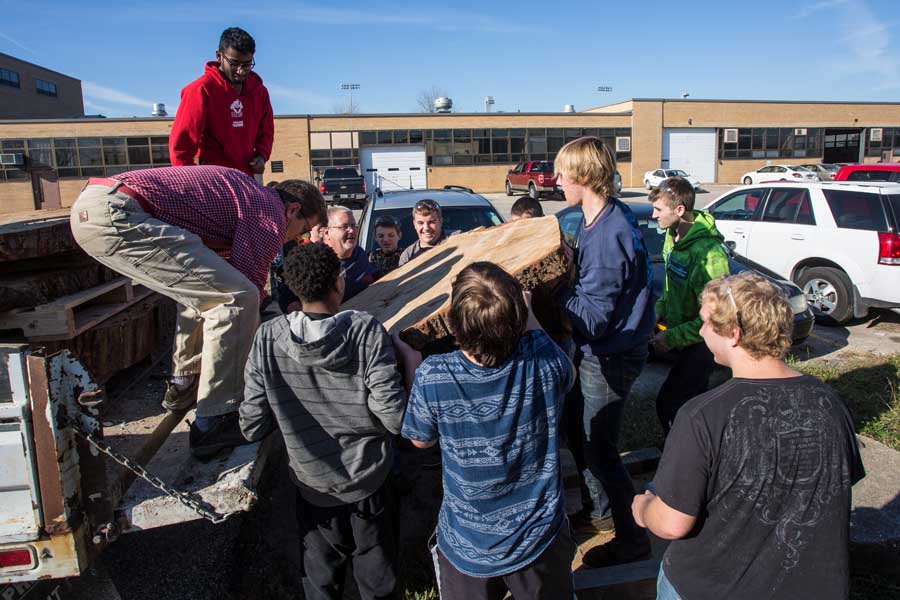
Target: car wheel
(828, 292)
(532, 191)
(647, 184)
(748, 181)
(508, 188)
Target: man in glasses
(341, 235)
(428, 223)
(225, 116)
(694, 255)
(754, 484)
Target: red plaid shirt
(226, 208)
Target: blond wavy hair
(751, 303)
(589, 162)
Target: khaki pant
(219, 309)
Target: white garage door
(393, 167)
(691, 150)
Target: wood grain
(414, 299)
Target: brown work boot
(180, 397)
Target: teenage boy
(610, 306)
(162, 228)
(494, 405)
(386, 257)
(694, 255)
(754, 483)
(428, 223)
(525, 207)
(225, 116)
(340, 452)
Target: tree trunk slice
(414, 299)
(35, 234)
(22, 290)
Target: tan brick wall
(25, 103)
(768, 114)
(646, 142)
(370, 122)
(482, 179)
(291, 146)
(16, 196)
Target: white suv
(838, 241)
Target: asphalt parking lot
(238, 559)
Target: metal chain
(185, 498)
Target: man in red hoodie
(225, 116)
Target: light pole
(351, 87)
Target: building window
(771, 142)
(10, 78)
(46, 88)
(885, 142)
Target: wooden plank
(34, 234)
(227, 483)
(123, 340)
(589, 579)
(71, 315)
(414, 299)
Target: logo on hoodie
(237, 112)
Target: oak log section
(415, 298)
(35, 234)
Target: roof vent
(443, 105)
(159, 110)
(569, 108)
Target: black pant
(364, 531)
(549, 577)
(688, 377)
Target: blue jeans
(664, 588)
(605, 384)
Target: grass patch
(871, 389)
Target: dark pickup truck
(342, 183)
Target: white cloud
(102, 93)
(868, 42)
(811, 9)
(17, 43)
(298, 96)
(342, 17)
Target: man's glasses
(238, 65)
(344, 227)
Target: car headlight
(798, 303)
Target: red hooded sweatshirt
(221, 126)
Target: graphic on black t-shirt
(794, 502)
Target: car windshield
(456, 218)
(796, 168)
(542, 167)
(830, 167)
(676, 173)
(340, 173)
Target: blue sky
(530, 56)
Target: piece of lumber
(71, 315)
(226, 484)
(123, 340)
(414, 299)
(24, 290)
(588, 579)
(35, 234)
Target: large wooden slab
(47, 281)
(35, 234)
(414, 299)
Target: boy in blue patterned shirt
(495, 406)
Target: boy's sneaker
(225, 433)
(617, 552)
(180, 397)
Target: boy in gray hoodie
(328, 380)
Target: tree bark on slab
(23, 290)
(35, 234)
(414, 299)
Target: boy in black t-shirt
(386, 257)
(754, 484)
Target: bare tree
(425, 99)
(346, 107)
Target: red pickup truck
(533, 176)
